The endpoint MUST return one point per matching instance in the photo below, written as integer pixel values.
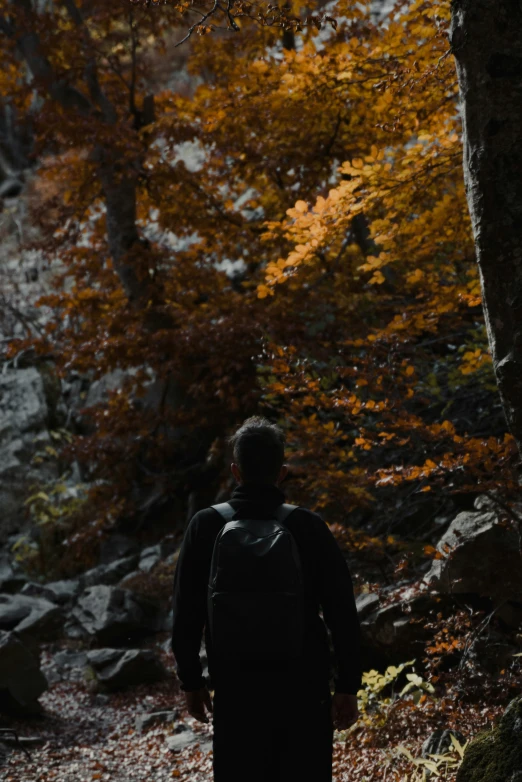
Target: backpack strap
(225, 510)
(284, 511)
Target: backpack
(256, 589)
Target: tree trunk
(486, 40)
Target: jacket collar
(263, 493)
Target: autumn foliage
(313, 260)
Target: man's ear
(235, 472)
(283, 472)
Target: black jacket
(328, 586)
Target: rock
(496, 755)
(439, 742)
(101, 699)
(117, 546)
(119, 668)
(492, 652)
(396, 630)
(24, 417)
(31, 617)
(111, 573)
(73, 629)
(148, 563)
(129, 578)
(66, 665)
(168, 622)
(477, 537)
(65, 591)
(144, 721)
(182, 740)
(98, 389)
(366, 603)
(33, 589)
(21, 680)
(114, 616)
(10, 580)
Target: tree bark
(486, 40)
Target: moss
(496, 756)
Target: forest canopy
(269, 218)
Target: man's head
(259, 452)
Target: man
(273, 720)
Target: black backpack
(256, 590)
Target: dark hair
(259, 450)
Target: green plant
(442, 766)
(52, 507)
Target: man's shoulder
(306, 517)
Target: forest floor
(83, 739)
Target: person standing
(273, 716)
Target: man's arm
(339, 610)
(189, 604)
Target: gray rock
(366, 603)
(73, 629)
(66, 665)
(168, 621)
(144, 721)
(21, 680)
(10, 580)
(476, 537)
(396, 629)
(119, 668)
(111, 573)
(31, 617)
(101, 699)
(44, 622)
(129, 578)
(24, 416)
(33, 589)
(439, 742)
(97, 392)
(65, 591)
(181, 741)
(117, 546)
(148, 563)
(114, 616)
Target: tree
(486, 41)
(315, 260)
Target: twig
(17, 740)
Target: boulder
(33, 618)
(10, 579)
(117, 546)
(395, 630)
(110, 573)
(476, 548)
(440, 742)
(114, 616)
(21, 680)
(65, 591)
(116, 669)
(185, 738)
(149, 559)
(66, 665)
(34, 589)
(496, 755)
(24, 417)
(366, 603)
(144, 721)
